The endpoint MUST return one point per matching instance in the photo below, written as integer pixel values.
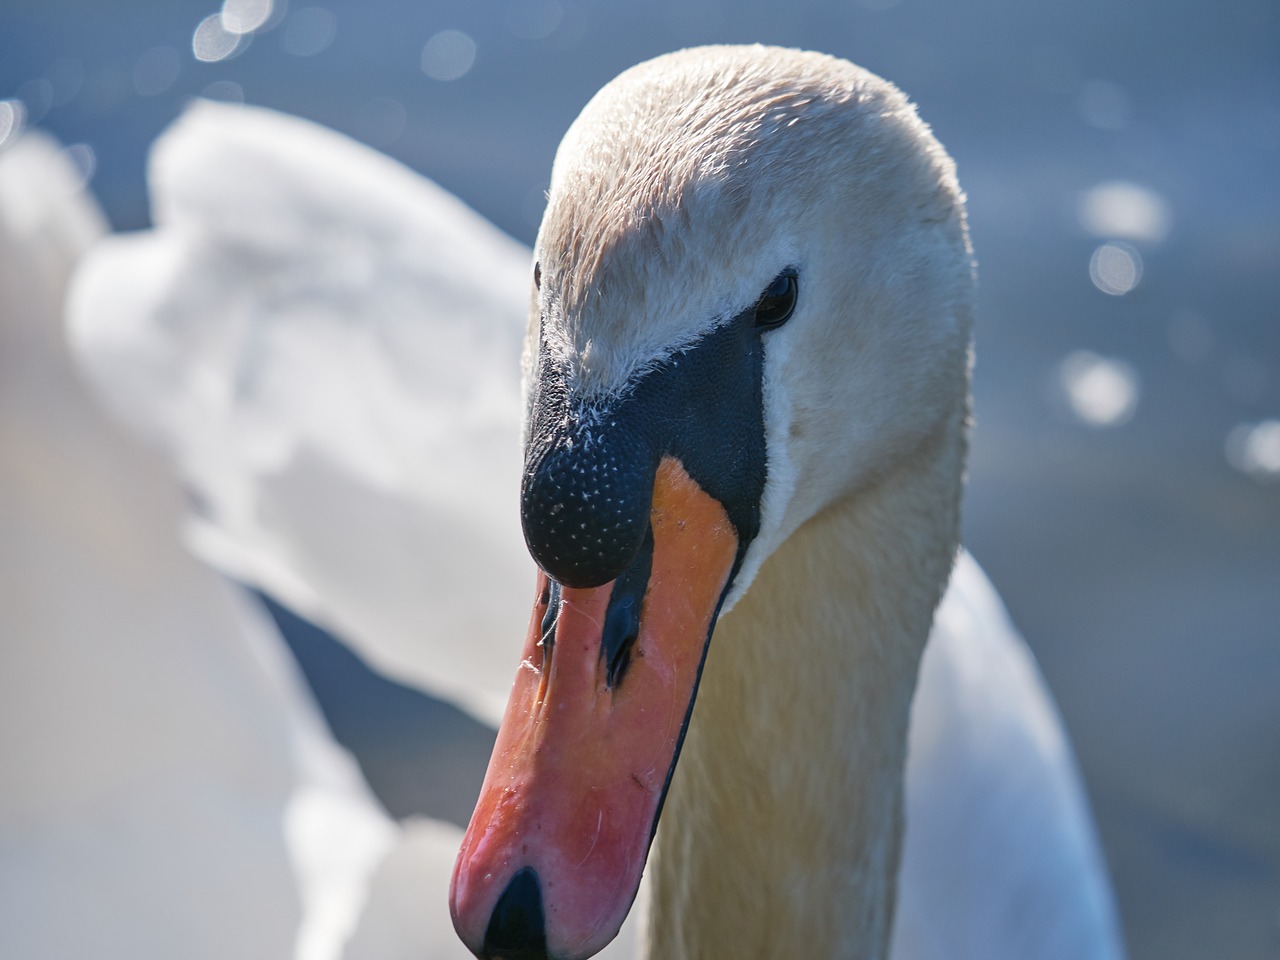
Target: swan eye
(537, 275)
(778, 301)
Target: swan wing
(1000, 858)
(326, 346)
(169, 786)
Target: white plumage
(169, 787)
(326, 346)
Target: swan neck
(783, 825)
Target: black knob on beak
(517, 929)
(585, 502)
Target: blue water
(1140, 563)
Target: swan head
(752, 298)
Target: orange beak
(553, 856)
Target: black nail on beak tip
(517, 929)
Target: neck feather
(782, 828)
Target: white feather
(326, 347)
(169, 787)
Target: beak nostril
(517, 929)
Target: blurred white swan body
(169, 787)
(326, 346)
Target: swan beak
(552, 859)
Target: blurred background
(1121, 163)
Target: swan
(306, 411)
(747, 392)
(323, 345)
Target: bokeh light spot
(1118, 208)
(13, 117)
(245, 16)
(1101, 391)
(83, 160)
(1115, 268)
(1254, 450)
(155, 71)
(449, 55)
(212, 42)
(309, 31)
